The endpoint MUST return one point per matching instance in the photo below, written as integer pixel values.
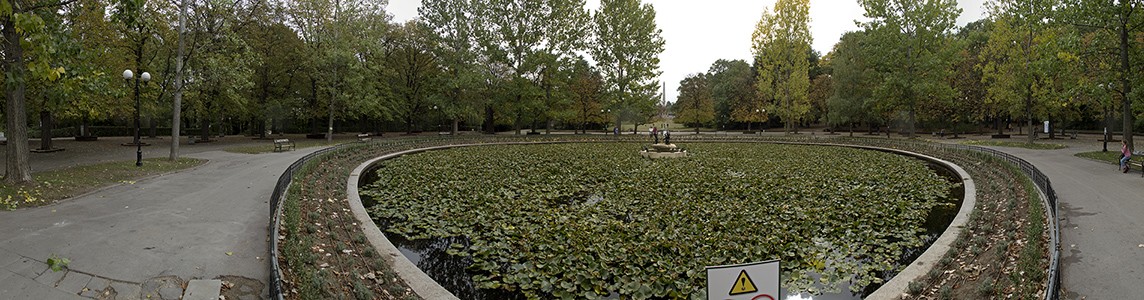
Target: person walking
(1125, 155)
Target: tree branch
(45, 5)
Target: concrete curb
(920, 267)
(417, 280)
(428, 288)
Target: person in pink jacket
(1125, 155)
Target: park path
(1102, 222)
(149, 237)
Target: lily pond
(597, 221)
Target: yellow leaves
(1067, 57)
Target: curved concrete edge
(417, 280)
(428, 288)
(923, 264)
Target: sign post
(753, 281)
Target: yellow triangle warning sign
(743, 285)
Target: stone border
(417, 280)
(923, 264)
(427, 288)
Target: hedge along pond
(596, 220)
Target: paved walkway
(145, 240)
(149, 238)
(1102, 222)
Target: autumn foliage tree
(781, 43)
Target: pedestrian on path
(1125, 155)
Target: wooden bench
(364, 137)
(282, 144)
(1135, 162)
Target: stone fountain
(663, 150)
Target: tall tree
(1119, 20)
(414, 72)
(587, 89)
(853, 81)
(456, 52)
(1020, 50)
(23, 30)
(781, 43)
(911, 39)
(510, 33)
(626, 47)
(274, 49)
(695, 105)
(336, 34)
(971, 104)
(733, 89)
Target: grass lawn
(1109, 156)
(56, 185)
(1037, 146)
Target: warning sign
(743, 285)
(754, 281)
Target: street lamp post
(128, 75)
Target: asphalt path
(204, 223)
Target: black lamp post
(128, 75)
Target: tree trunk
(45, 130)
(1052, 128)
(490, 125)
(1029, 115)
(330, 129)
(154, 128)
(177, 107)
(1126, 69)
(456, 123)
(912, 116)
(17, 169)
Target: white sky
(699, 32)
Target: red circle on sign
(763, 296)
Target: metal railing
(276, 199)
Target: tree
(853, 82)
(781, 43)
(565, 31)
(337, 34)
(414, 72)
(733, 89)
(219, 66)
(970, 104)
(626, 48)
(1020, 50)
(587, 89)
(23, 31)
(911, 38)
(1117, 19)
(695, 105)
(456, 52)
(821, 88)
(274, 47)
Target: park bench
(1138, 163)
(364, 137)
(282, 144)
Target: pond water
(451, 271)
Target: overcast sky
(699, 32)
